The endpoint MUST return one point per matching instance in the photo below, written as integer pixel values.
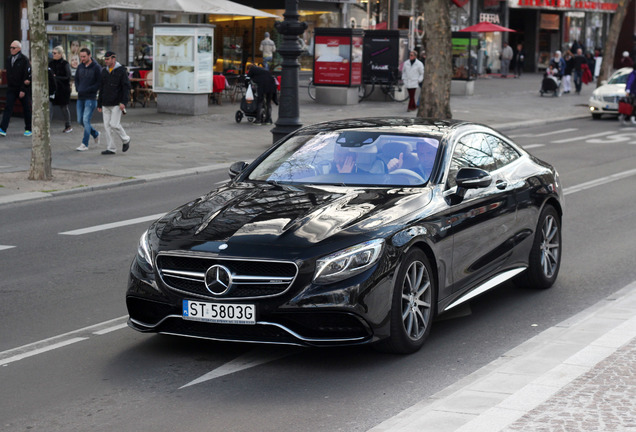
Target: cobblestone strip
(603, 400)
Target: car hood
(273, 216)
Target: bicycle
(394, 88)
(311, 90)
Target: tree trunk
(435, 96)
(41, 144)
(612, 40)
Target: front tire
(413, 305)
(545, 256)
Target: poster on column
(356, 60)
(332, 64)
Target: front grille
(612, 99)
(185, 274)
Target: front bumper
(350, 313)
(602, 107)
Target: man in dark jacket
(114, 94)
(87, 80)
(266, 92)
(18, 87)
(577, 71)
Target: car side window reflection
(502, 152)
(471, 151)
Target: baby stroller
(249, 107)
(551, 83)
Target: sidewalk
(576, 376)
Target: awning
(212, 7)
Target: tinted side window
(502, 152)
(474, 151)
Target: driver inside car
(357, 160)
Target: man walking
(268, 48)
(87, 81)
(18, 86)
(114, 94)
(577, 72)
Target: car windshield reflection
(619, 79)
(350, 158)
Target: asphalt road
(68, 362)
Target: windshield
(350, 158)
(619, 79)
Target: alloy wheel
(550, 246)
(416, 300)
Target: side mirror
(236, 168)
(473, 178)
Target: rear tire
(238, 116)
(545, 256)
(413, 305)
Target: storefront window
(574, 22)
(594, 31)
(73, 37)
(231, 51)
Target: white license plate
(220, 313)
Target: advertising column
(182, 67)
(338, 65)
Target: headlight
(347, 262)
(143, 250)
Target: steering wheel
(409, 173)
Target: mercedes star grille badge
(218, 279)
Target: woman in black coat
(62, 72)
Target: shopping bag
(249, 94)
(625, 107)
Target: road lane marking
(110, 329)
(60, 341)
(108, 226)
(544, 133)
(3, 247)
(531, 146)
(248, 360)
(47, 348)
(584, 138)
(598, 182)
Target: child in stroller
(551, 82)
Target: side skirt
(489, 284)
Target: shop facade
(544, 26)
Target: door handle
(501, 184)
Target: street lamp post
(288, 110)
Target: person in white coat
(412, 75)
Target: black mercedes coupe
(351, 232)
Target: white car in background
(604, 99)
